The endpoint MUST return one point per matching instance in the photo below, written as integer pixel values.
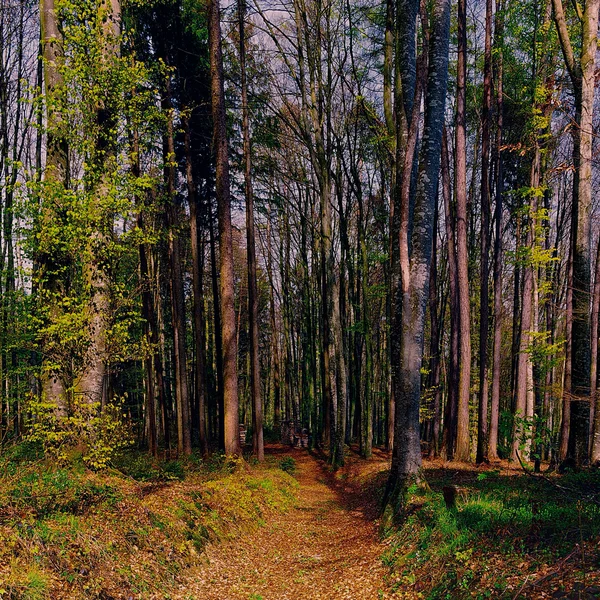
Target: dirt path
(325, 548)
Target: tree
(227, 308)
(582, 74)
(257, 413)
(463, 451)
(406, 458)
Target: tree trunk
(55, 179)
(451, 409)
(178, 319)
(228, 325)
(486, 117)
(257, 412)
(406, 459)
(524, 368)
(595, 332)
(497, 351)
(463, 452)
(197, 286)
(582, 74)
(91, 384)
(218, 333)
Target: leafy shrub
(288, 465)
(60, 490)
(95, 436)
(143, 467)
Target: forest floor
(291, 528)
(326, 547)
(512, 536)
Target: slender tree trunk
(524, 368)
(497, 351)
(451, 408)
(230, 383)
(147, 314)
(274, 335)
(178, 319)
(218, 333)
(388, 107)
(565, 424)
(486, 117)
(197, 284)
(257, 412)
(463, 452)
(595, 332)
(435, 346)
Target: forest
(263, 259)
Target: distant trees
(288, 215)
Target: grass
(506, 532)
(130, 531)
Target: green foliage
(47, 492)
(513, 521)
(143, 467)
(96, 436)
(288, 465)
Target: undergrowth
(504, 531)
(125, 532)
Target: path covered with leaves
(327, 547)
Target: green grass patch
(503, 529)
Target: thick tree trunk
(55, 178)
(582, 74)
(406, 459)
(92, 383)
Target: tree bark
(178, 319)
(524, 368)
(406, 458)
(197, 286)
(451, 408)
(228, 323)
(486, 117)
(55, 178)
(595, 332)
(463, 452)
(582, 74)
(257, 412)
(91, 384)
(497, 349)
